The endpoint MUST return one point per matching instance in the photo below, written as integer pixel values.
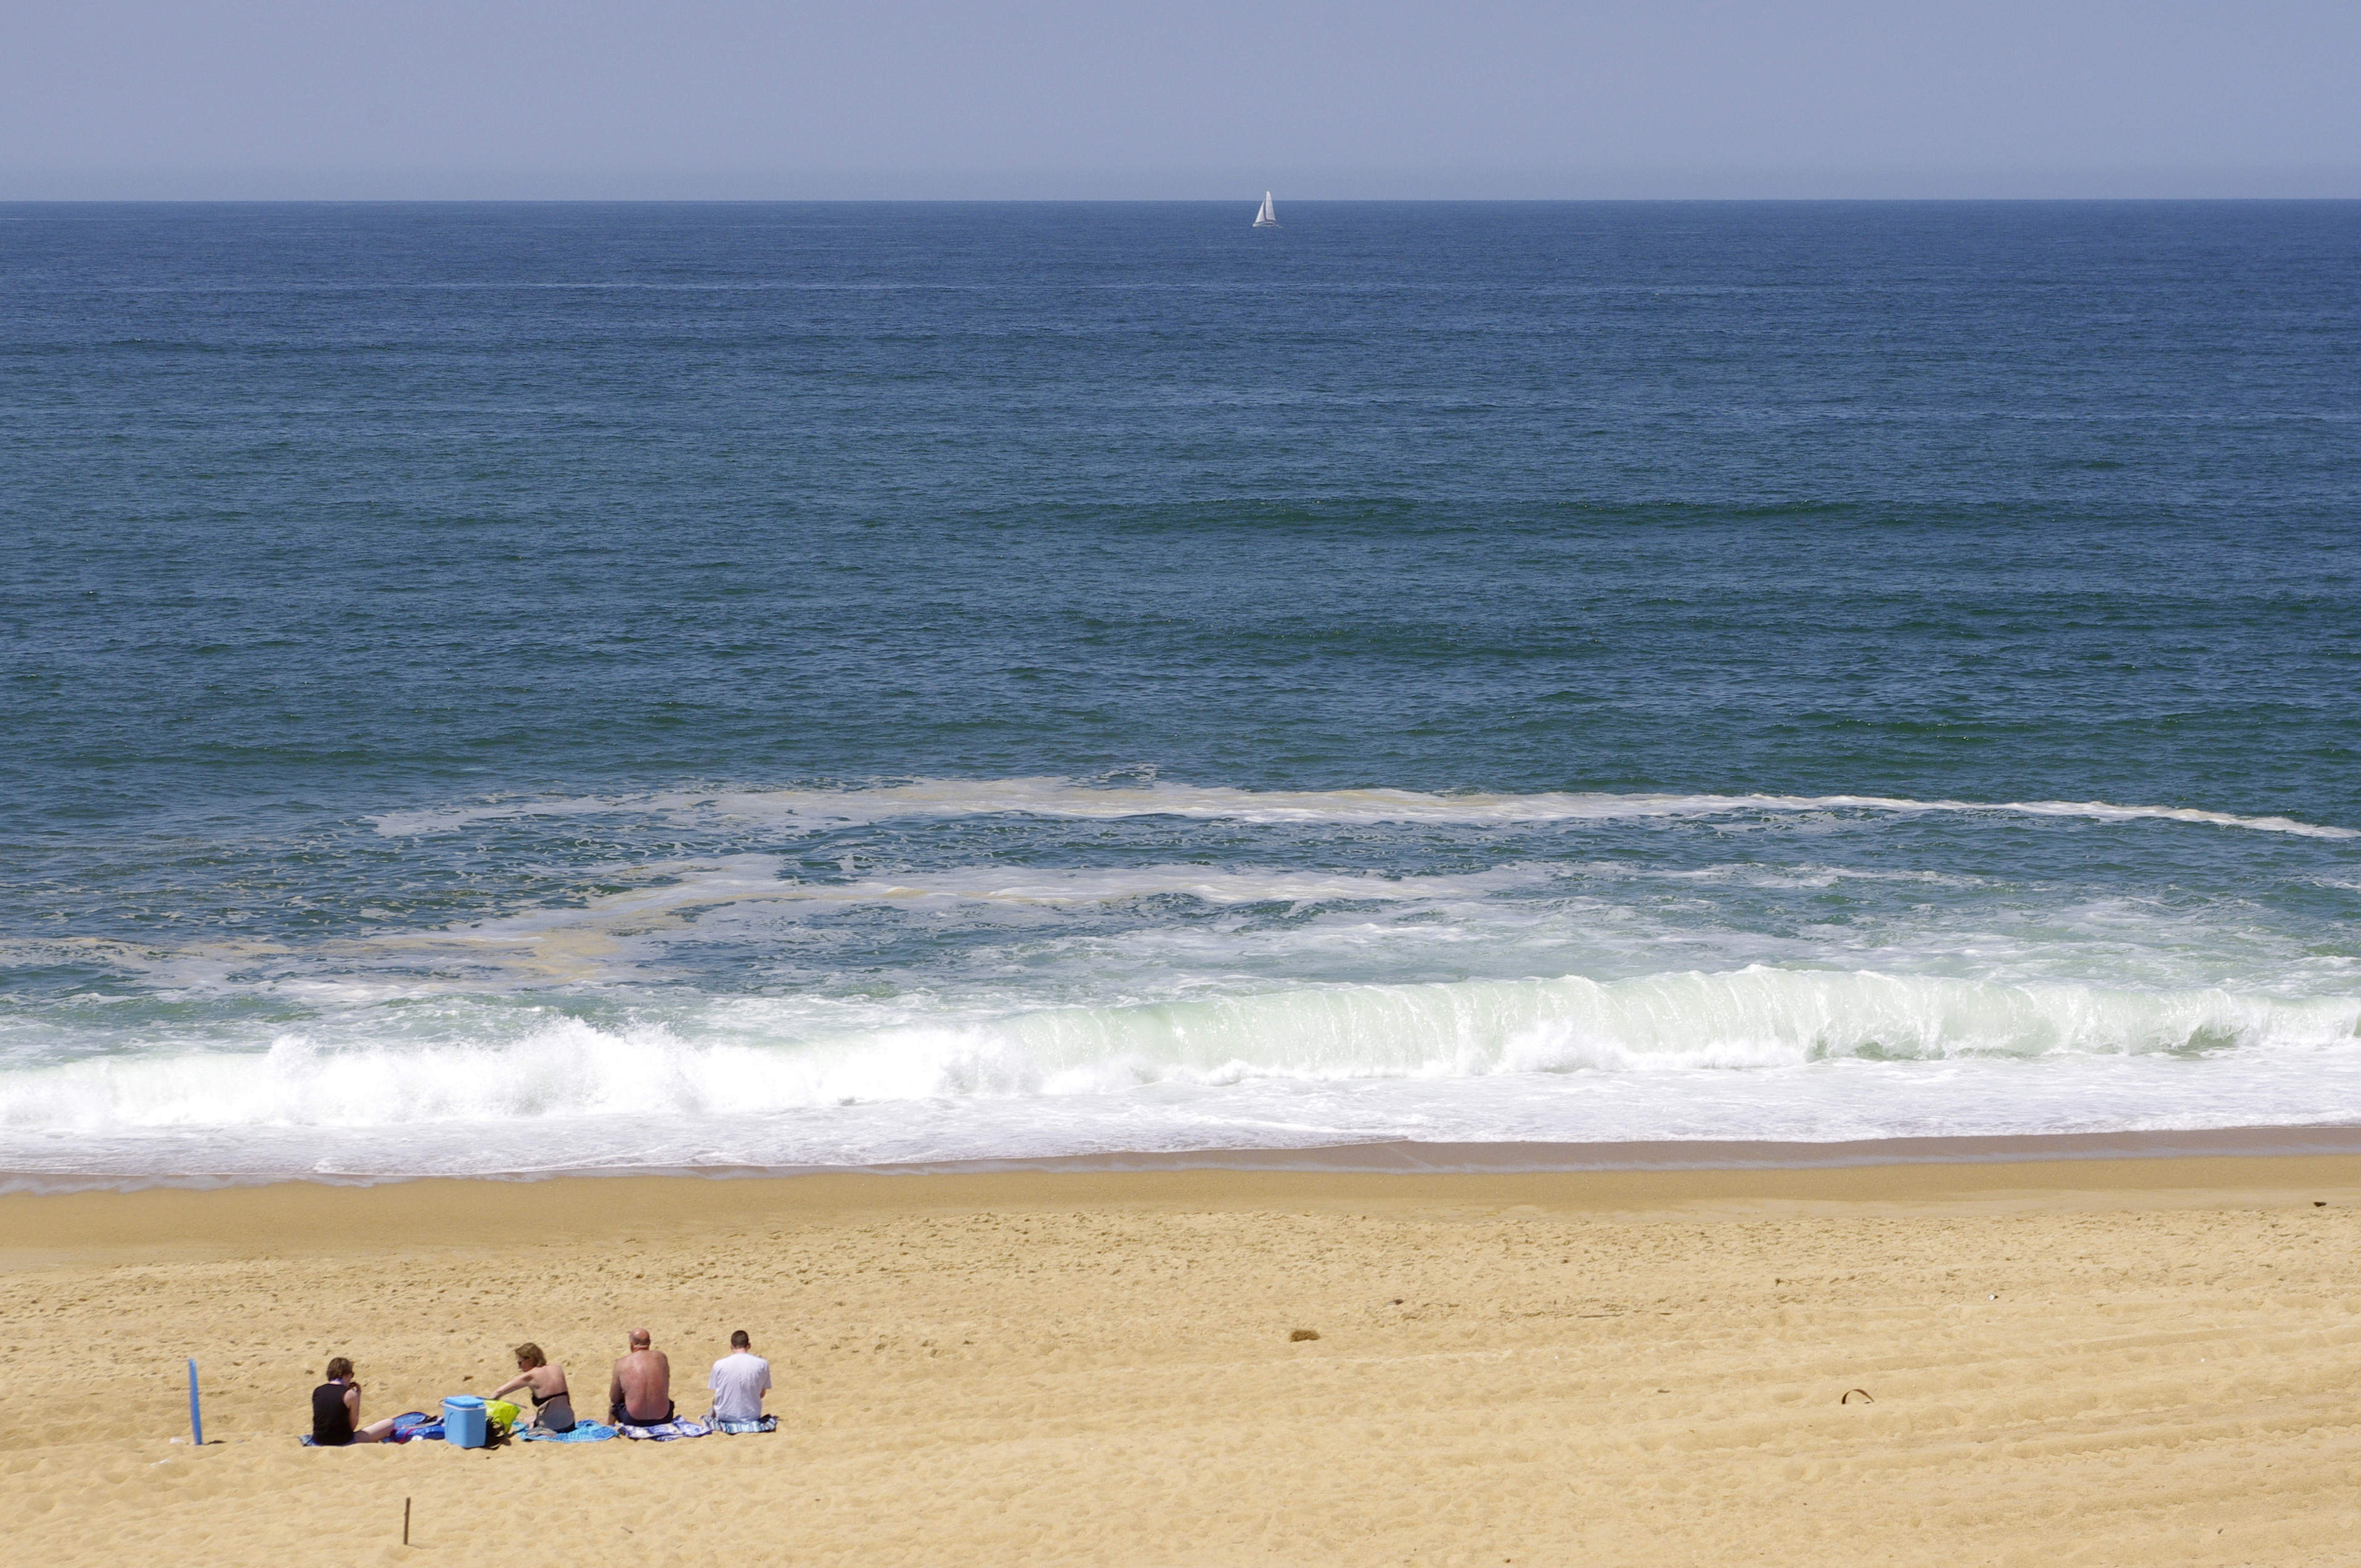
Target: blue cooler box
(463, 1422)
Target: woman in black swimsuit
(553, 1409)
(336, 1411)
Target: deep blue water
(454, 654)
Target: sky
(276, 99)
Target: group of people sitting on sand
(638, 1393)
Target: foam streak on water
(1064, 798)
(753, 1009)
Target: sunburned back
(645, 1377)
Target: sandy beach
(2096, 1361)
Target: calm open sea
(501, 689)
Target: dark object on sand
(1850, 1392)
(1303, 1335)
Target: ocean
(518, 689)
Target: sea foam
(567, 1066)
(1074, 800)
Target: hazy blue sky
(1213, 98)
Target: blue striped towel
(584, 1431)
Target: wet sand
(2078, 1361)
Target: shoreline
(310, 1218)
(1403, 1158)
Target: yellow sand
(2148, 1360)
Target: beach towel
(735, 1429)
(584, 1431)
(665, 1431)
(406, 1427)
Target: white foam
(989, 1010)
(529, 1065)
(1070, 799)
(1829, 1101)
(602, 937)
(1036, 939)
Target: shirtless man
(641, 1393)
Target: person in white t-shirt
(738, 1382)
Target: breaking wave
(1756, 1018)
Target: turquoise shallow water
(541, 688)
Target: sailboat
(1266, 218)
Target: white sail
(1268, 217)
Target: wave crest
(1754, 1018)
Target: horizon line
(2322, 181)
(1247, 200)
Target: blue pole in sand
(196, 1419)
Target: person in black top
(336, 1410)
